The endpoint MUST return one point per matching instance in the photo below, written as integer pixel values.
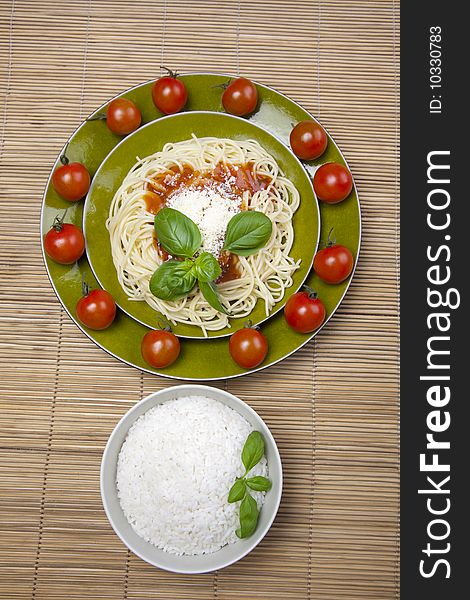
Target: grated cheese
(211, 212)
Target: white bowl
(155, 556)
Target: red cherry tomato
(169, 94)
(334, 263)
(240, 97)
(123, 116)
(64, 242)
(160, 348)
(248, 347)
(308, 140)
(96, 309)
(332, 183)
(71, 180)
(304, 312)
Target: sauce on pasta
(232, 176)
(233, 180)
(229, 264)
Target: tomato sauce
(165, 184)
(226, 179)
(154, 202)
(162, 253)
(241, 178)
(229, 179)
(229, 265)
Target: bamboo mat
(333, 406)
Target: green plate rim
(281, 303)
(303, 342)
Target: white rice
(175, 469)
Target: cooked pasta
(239, 173)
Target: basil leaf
(206, 267)
(248, 517)
(247, 232)
(172, 279)
(253, 450)
(237, 491)
(209, 291)
(259, 483)
(176, 233)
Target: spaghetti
(241, 175)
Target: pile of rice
(175, 469)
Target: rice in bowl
(174, 472)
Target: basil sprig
(252, 453)
(206, 267)
(253, 450)
(173, 279)
(247, 232)
(259, 483)
(248, 517)
(176, 278)
(177, 233)
(209, 291)
(237, 491)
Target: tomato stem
(310, 291)
(63, 158)
(249, 325)
(98, 117)
(171, 73)
(164, 325)
(59, 221)
(85, 287)
(223, 86)
(331, 240)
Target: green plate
(151, 138)
(199, 359)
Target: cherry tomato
(160, 348)
(64, 242)
(304, 312)
(123, 116)
(71, 180)
(332, 183)
(334, 263)
(308, 140)
(96, 309)
(248, 347)
(240, 97)
(169, 94)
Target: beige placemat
(333, 406)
